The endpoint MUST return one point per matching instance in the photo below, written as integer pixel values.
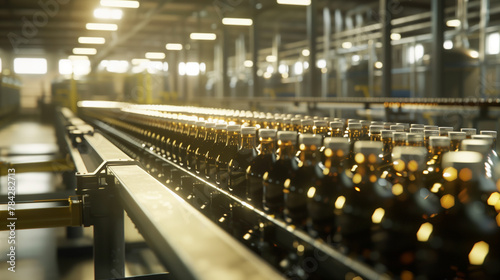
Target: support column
(483, 23)
(254, 49)
(386, 17)
(437, 30)
(313, 90)
(225, 56)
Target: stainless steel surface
(189, 244)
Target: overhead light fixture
(379, 65)
(448, 45)
(78, 57)
(91, 40)
(173, 47)
(271, 58)
(85, 51)
(306, 52)
(202, 36)
(248, 63)
(102, 26)
(155, 55)
(346, 45)
(395, 36)
(138, 61)
(453, 23)
(120, 4)
(294, 2)
(237, 21)
(105, 13)
(474, 54)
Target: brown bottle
(398, 139)
(337, 129)
(375, 132)
(237, 166)
(456, 138)
(214, 150)
(443, 130)
(226, 155)
(415, 139)
(386, 136)
(468, 132)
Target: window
(493, 43)
(30, 66)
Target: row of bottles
(413, 199)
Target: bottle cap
(310, 139)
(408, 154)
(354, 125)
(461, 160)
(414, 137)
(488, 138)
(369, 148)
(322, 123)
(456, 135)
(221, 126)
(469, 131)
(288, 136)
(405, 125)
(399, 136)
(476, 145)
(267, 133)
(210, 125)
(376, 128)
(191, 122)
(365, 123)
(309, 122)
(492, 133)
(439, 141)
(337, 124)
(248, 130)
(234, 127)
(417, 130)
(431, 127)
(429, 133)
(200, 123)
(352, 121)
(417, 125)
(377, 123)
(386, 133)
(296, 121)
(397, 127)
(337, 143)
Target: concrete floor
(46, 254)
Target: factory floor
(47, 254)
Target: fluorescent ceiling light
(306, 52)
(138, 61)
(78, 57)
(91, 40)
(379, 65)
(294, 2)
(102, 26)
(248, 63)
(105, 13)
(346, 45)
(395, 36)
(453, 23)
(155, 55)
(173, 47)
(237, 21)
(120, 4)
(85, 51)
(203, 36)
(271, 58)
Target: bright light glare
(356, 58)
(202, 36)
(453, 23)
(321, 63)
(493, 43)
(85, 51)
(190, 68)
(283, 68)
(448, 45)
(91, 40)
(306, 52)
(115, 66)
(65, 67)
(415, 53)
(139, 61)
(294, 2)
(378, 65)
(271, 58)
(155, 55)
(120, 4)
(248, 63)
(270, 69)
(105, 13)
(102, 26)
(173, 47)
(298, 69)
(395, 36)
(346, 45)
(474, 54)
(0, 65)
(74, 64)
(237, 21)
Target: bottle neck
(201, 133)
(210, 136)
(286, 150)
(232, 138)
(309, 155)
(267, 146)
(221, 136)
(354, 134)
(247, 141)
